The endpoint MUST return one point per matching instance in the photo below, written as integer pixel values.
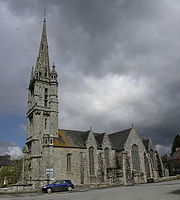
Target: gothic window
(46, 97)
(45, 71)
(135, 157)
(32, 90)
(31, 120)
(69, 156)
(91, 160)
(45, 124)
(106, 155)
(29, 147)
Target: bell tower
(42, 116)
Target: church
(85, 157)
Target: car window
(57, 182)
(63, 182)
(67, 181)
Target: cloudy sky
(118, 63)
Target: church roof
(118, 139)
(5, 160)
(146, 143)
(71, 138)
(77, 139)
(176, 155)
(99, 139)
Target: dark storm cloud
(118, 62)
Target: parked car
(59, 185)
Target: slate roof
(77, 139)
(146, 143)
(99, 138)
(71, 138)
(176, 155)
(118, 139)
(5, 160)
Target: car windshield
(56, 182)
(61, 182)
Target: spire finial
(44, 15)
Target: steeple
(42, 69)
(32, 74)
(42, 116)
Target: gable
(132, 139)
(91, 141)
(106, 141)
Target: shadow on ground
(175, 192)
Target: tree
(165, 159)
(11, 173)
(176, 144)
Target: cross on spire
(44, 15)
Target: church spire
(42, 65)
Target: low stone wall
(18, 188)
(167, 178)
(22, 187)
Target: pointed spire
(90, 129)
(32, 73)
(42, 64)
(44, 15)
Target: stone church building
(85, 157)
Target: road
(154, 191)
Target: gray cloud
(118, 62)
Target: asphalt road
(154, 191)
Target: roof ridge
(121, 131)
(73, 130)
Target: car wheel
(69, 188)
(49, 190)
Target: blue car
(59, 185)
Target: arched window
(69, 156)
(106, 155)
(135, 157)
(45, 123)
(91, 160)
(46, 97)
